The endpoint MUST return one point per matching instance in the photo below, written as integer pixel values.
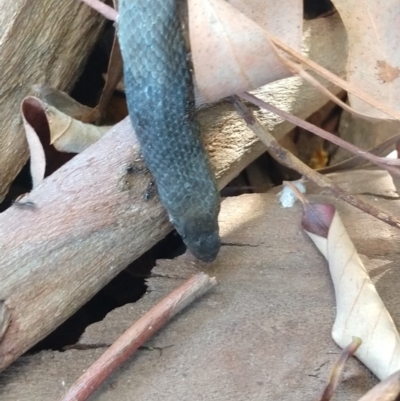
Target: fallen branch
(137, 335)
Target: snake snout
(201, 237)
(205, 247)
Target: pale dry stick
(386, 390)
(323, 72)
(337, 369)
(138, 334)
(5, 319)
(387, 164)
(105, 10)
(299, 70)
(288, 159)
(299, 195)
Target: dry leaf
(66, 133)
(113, 78)
(283, 19)
(360, 310)
(61, 101)
(70, 135)
(45, 125)
(231, 53)
(374, 56)
(32, 119)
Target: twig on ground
(387, 164)
(5, 318)
(337, 369)
(386, 390)
(105, 10)
(355, 161)
(323, 72)
(288, 159)
(138, 334)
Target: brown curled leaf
(374, 60)
(231, 53)
(317, 218)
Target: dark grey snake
(159, 90)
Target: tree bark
(42, 42)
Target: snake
(160, 98)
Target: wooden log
(96, 214)
(44, 41)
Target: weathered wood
(263, 334)
(44, 41)
(93, 217)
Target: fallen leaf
(283, 19)
(31, 118)
(360, 311)
(113, 78)
(62, 101)
(70, 135)
(386, 72)
(231, 53)
(66, 134)
(374, 56)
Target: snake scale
(160, 97)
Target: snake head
(200, 235)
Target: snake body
(160, 99)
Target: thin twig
(138, 334)
(386, 390)
(299, 195)
(337, 369)
(288, 159)
(380, 161)
(355, 161)
(105, 10)
(5, 319)
(298, 69)
(335, 79)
